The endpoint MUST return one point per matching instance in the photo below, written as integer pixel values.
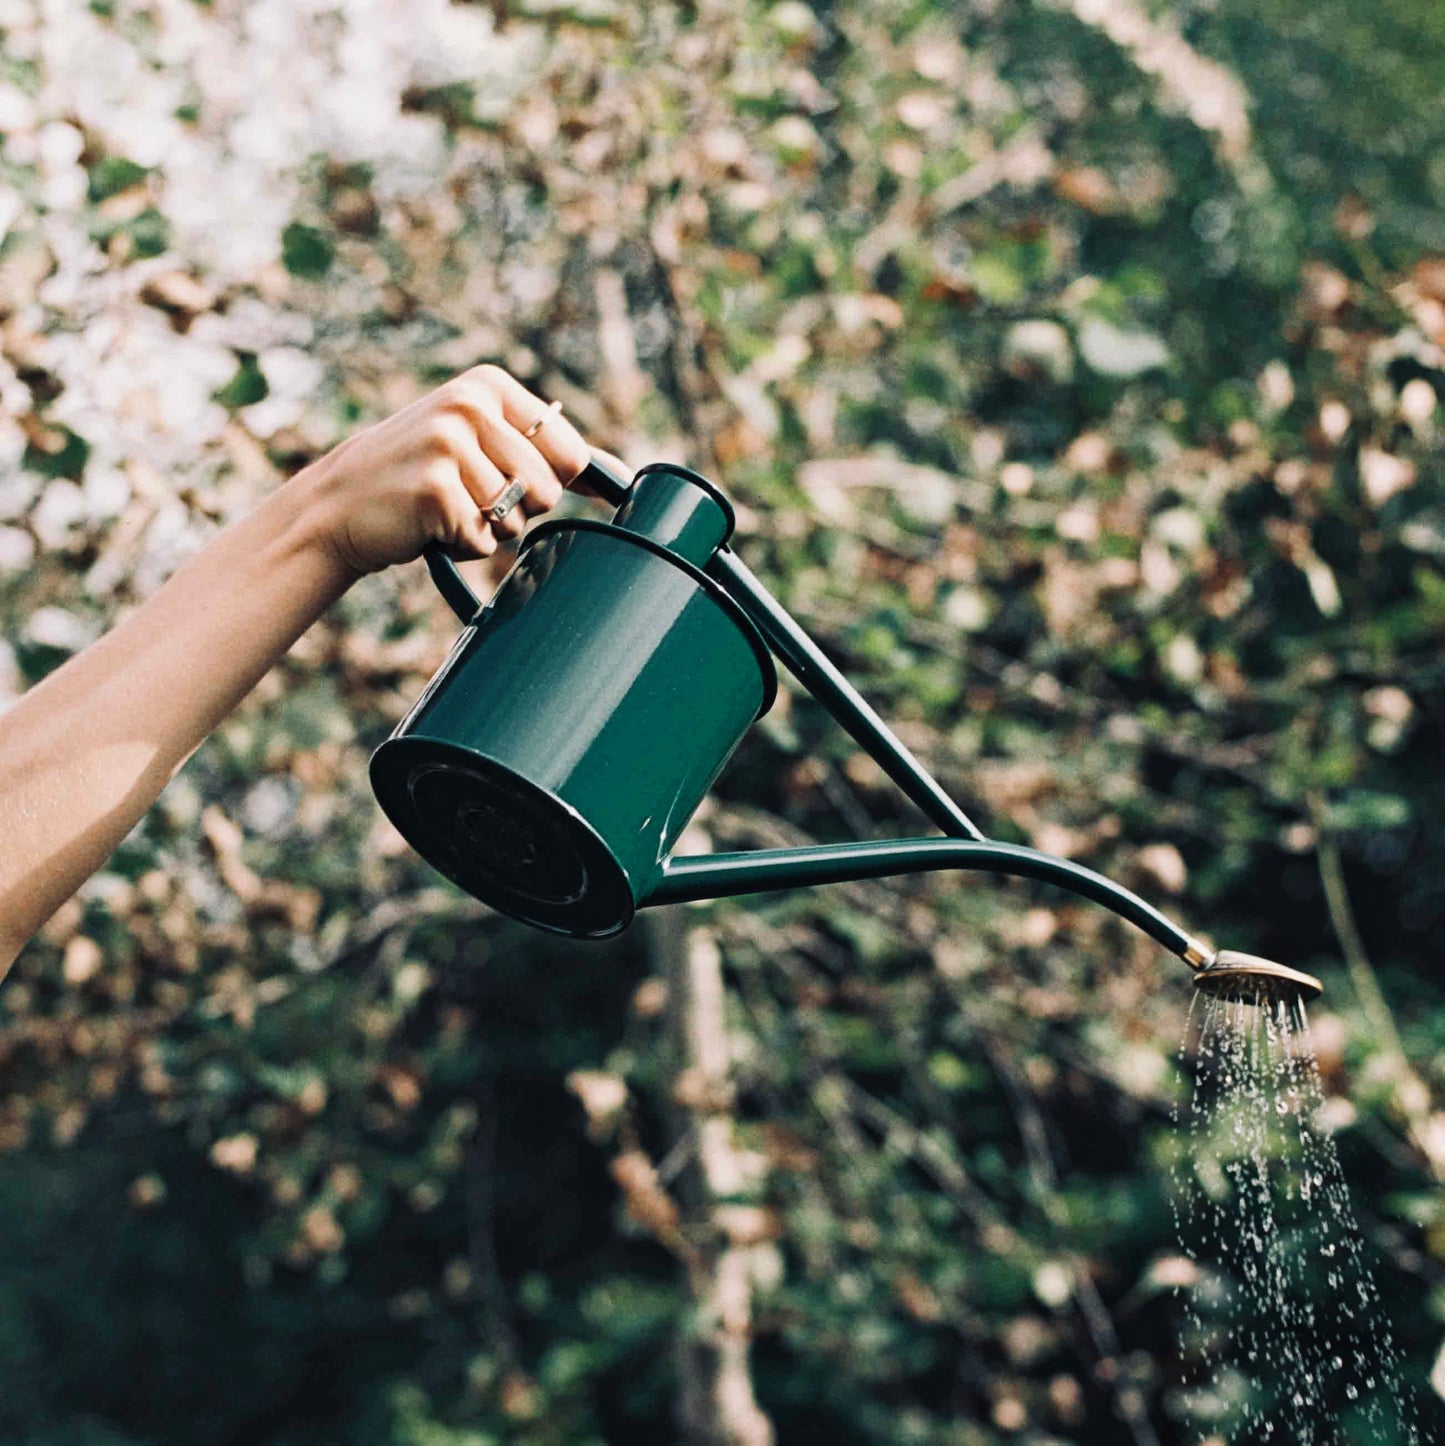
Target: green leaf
(111, 175)
(951, 1073)
(246, 387)
(307, 252)
(150, 234)
(68, 461)
(1368, 810)
(1430, 584)
(997, 278)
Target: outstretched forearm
(85, 753)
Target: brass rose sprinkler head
(1247, 976)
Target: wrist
(316, 519)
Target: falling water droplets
(1285, 1337)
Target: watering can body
(553, 760)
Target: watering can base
(504, 839)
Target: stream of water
(1285, 1334)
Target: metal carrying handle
(597, 475)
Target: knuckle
(444, 432)
(436, 481)
(488, 375)
(467, 396)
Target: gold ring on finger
(537, 425)
(512, 494)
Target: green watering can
(557, 754)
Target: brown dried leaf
(179, 294)
(644, 1198)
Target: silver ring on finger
(512, 494)
(552, 409)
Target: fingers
(459, 523)
(477, 535)
(510, 451)
(501, 409)
(486, 482)
(460, 448)
(491, 411)
(557, 441)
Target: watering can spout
(1248, 977)
(711, 876)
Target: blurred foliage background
(1077, 366)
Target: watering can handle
(608, 484)
(808, 663)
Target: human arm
(86, 751)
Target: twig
(480, 1170)
(947, 1172)
(1412, 1094)
(1352, 945)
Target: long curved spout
(714, 876)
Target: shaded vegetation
(1077, 368)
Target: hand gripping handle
(609, 485)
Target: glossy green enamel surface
(714, 876)
(582, 715)
(679, 509)
(574, 728)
